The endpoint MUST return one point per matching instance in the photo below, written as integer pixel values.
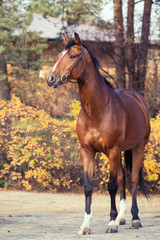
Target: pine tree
(16, 44)
(73, 11)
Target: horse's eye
(72, 56)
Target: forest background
(39, 149)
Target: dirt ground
(47, 216)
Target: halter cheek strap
(64, 77)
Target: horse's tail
(141, 182)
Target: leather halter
(64, 77)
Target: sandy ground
(27, 215)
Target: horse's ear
(77, 39)
(65, 39)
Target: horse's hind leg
(87, 158)
(123, 204)
(137, 163)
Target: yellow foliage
(152, 157)
(35, 147)
(39, 152)
(75, 109)
(103, 170)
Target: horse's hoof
(80, 232)
(112, 229)
(121, 221)
(136, 223)
(85, 231)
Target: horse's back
(126, 93)
(134, 100)
(137, 116)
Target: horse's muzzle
(53, 81)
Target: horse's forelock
(70, 44)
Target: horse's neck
(94, 93)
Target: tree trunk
(119, 45)
(143, 47)
(130, 56)
(155, 69)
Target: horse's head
(70, 63)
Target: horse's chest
(93, 135)
(95, 138)
(98, 135)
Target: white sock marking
(86, 222)
(123, 208)
(112, 223)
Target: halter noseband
(64, 77)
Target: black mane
(94, 59)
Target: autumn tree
(119, 44)
(143, 47)
(125, 53)
(130, 47)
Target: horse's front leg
(87, 157)
(114, 159)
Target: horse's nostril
(51, 78)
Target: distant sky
(107, 15)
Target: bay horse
(110, 121)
